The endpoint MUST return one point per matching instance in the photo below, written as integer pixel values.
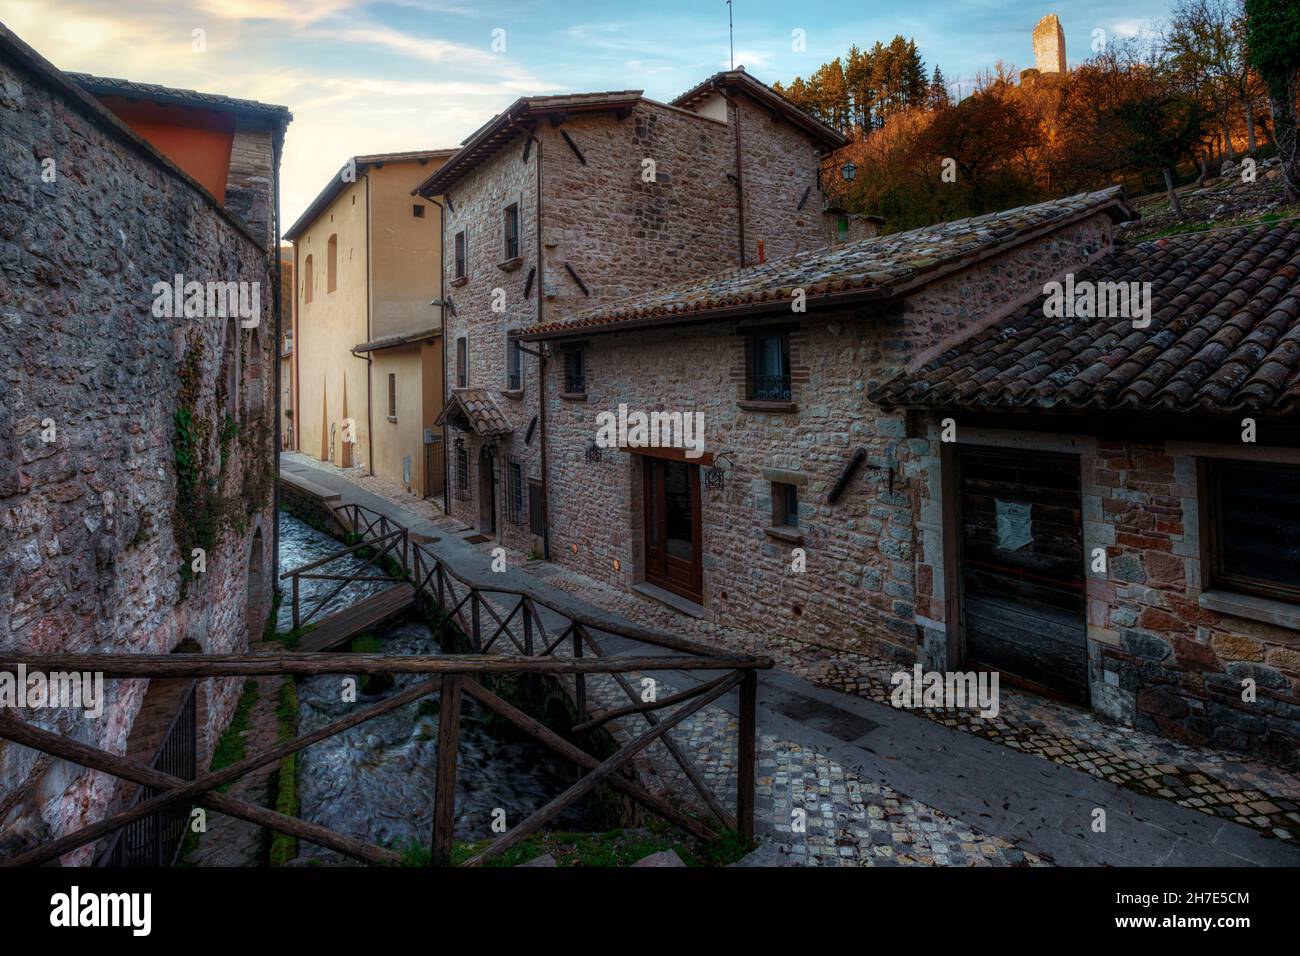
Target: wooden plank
(444, 794)
(358, 618)
(746, 756)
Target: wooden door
(672, 526)
(1022, 568)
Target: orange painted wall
(198, 141)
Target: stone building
(136, 426)
(562, 203)
(1049, 46)
(828, 506)
(367, 349)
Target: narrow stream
(375, 782)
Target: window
(462, 470)
(392, 396)
(535, 508)
(306, 281)
(575, 371)
(417, 211)
(514, 364)
(785, 505)
(512, 231)
(462, 362)
(460, 254)
(1254, 525)
(515, 492)
(332, 265)
(769, 374)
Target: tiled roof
(475, 407)
(359, 164)
(399, 339)
(872, 268)
(500, 129)
(113, 86)
(731, 80)
(1224, 337)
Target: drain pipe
(279, 333)
(740, 178)
(441, 303)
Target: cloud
(431, 49)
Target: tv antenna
(731, 32)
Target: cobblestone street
(853, 820)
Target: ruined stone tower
(1049, 45)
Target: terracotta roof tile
(474, 408)
(872, 267)
(1224, 337)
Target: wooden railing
(379, 536)
(572, 649)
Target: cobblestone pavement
(1264, 797)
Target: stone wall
(91, 506)
(250, 184)
(619, 234)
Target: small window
(515, 492)
(462, 470)
(1255, 527)
(535, 508)
(769, 374)
(306, 281)
(512, 231)
(575, 371)
(392, 396)
(460, 254)
(462, 362)
(332, 265)
(417, 211)
(514, 364)
(785, 505)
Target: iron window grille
(515, 492)
(575, 371)
(462, 362)
(785, 505)
(512, 231)
(462, 469)
(769, 374)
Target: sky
(370, 76)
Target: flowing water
(375, 781)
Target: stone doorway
(487, 491)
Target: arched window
(332, 267)
(255, 385)
(306, 281)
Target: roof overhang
(397, 341)
(738, 80)
(358, 165)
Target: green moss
(232, 747)
(284, 782)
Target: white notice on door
(1014, 525)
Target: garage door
(1022, 566)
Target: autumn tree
(1273, 44)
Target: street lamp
(848, 172)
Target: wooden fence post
(476, 638)
(444, 794)
(745, 764)
(295, 602)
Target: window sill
(512, 392)
(573, 396)
(393, 419)
(790, 535)
(1266, 610)
(777, 408)
(510, 265)
(460, 281)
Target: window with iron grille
(514, 364)
(462, 471)
(512, 231)
(1255, 528)
(769, 373)
(785, 505)
(460, 254)
(535, 508)
(392, 396)
(575, 371)
(515, 492)
(462, 362)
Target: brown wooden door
(672, 526)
